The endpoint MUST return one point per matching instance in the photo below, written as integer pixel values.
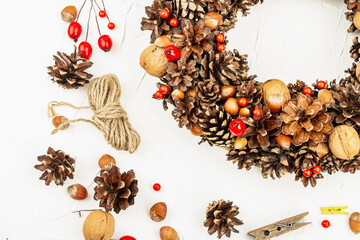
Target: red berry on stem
(307, 91)
(237, 127)
(74, 30)
(127, 238)
(220, 38)
(325, 224)
(164, 89)
(257, 112)
(105, 43)
(159, 95)
(157, 187)
(164, 13)
(102, 14)
(321, 85)
(174, 22)
(111, 25)
(307, 173)
(220, 47)
(316, 169)
(243, 102)
(86, 50)
(172, 53)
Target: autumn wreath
(294, 128)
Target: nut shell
(284, 141)
(163, 41)
(354, 222)
(212, 20)
(273, 87)
(244, 112)
(99, 225)
(344, 142)
(69, 14)
(322, 150)
(227, 91)
(106, 162)
(77, 192)
(168, 233)
(232, 106)
(240, 143)
(178, 94)
(196, 130)
(275, 102)
(153, 60)
(356, 20)
(158, 212)
(325, 96)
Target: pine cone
(353, 5)
(252, 91)
(186, 111)
(277, 161)
(307, 120)
(208, 92)
(305, 180)
(155, 22)
(217, 5)
(296, 89)
(214, 122)
(351, 165)
(330, 164)
(167, 98)
(305, 158)
(355, 49)
(57, 166)
(350, 17)
(261, 130)
(190, 9)
(352, 78)
(243, 5)
(244, 66)
(245, 158)
(221, 218)
(193, 39)
(69, 71)
(114, 190)
(182, 74)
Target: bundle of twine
(109, 116)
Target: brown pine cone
(252, 91)
(330, 164)
(190, 9)
(305, 158)
(243, 5)
(355, 49)
(217, 5)
(276, 161)
(353, 5)
(186, 111)
(167, 98)
(305, 180)
(208, 92)
(296, 88)
(245, 158)
(351, 165)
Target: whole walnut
(153, 60)
(344, 142)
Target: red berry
(111, 25)
(174, 22)
(257, 112)
(220, 38)
(164, 13)
(86, 50)
(105, 43)
(237, 127)
(243, 102)
(102, 14)
(127, 238)
(157, 187)
(220, 47)
(172, 53)
(325, 224)
(74, 30)
(316, 169)
(321, 85)
(164, 89)
(159, 95)
(307, 173)
(307, 91)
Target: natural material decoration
(109, 116)
(354, 222)
(158, 212)
(277, 127)
(99, 225)
(168, 233)
(57, 166)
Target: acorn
(158, 212)
(344, 142)
(58, 120)
(244, 112)
(272, 90)
(168, 233)
(178, 94)
(354, 222)
(106, 162)
(69, 14)
(356, 20)
(325, 96)
(196, 130)
(77, 192)
(240, 143)
(275, 102)
(232, 106)
(227, 91)
(191, 92)
(212, 20)
(284, 141)
(322, 150)
(163, 41)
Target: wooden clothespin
(279, 228)
(333, 210)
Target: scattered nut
(69, 13)
(158, 212)
(168, 233)
(106, 162)
(354, 222)
(77, 192)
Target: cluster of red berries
(243, 103)
(164, 90)
(319, 85)
(220, 38)
(314, 170)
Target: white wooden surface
(285, 39)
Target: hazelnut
(106, 162)
(356, 20)
(240, 143)
(274, 87)
(212, 20)
(227, 91)
(69, 13)
(325, 96)
(163, 41)
(357, 71)
(153, 60)
(232, 106)
(322, 150)
(58, 120)
(191, 92)
(344, 142)
(244, 112)
(77, 191)
(354, 222)
(196, 130)
(168, 233)
(178, 94)
(158, 212)
(284, 141)
(275, 102)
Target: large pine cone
(114, 190)
(69, 71)
(276, 161)
(245, 158)
(190, 9)
(252, 91)
(57, 166)
(208, 92)
(221, 218)
(306, 158)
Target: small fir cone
(305, 180)
(221, 218)
(244, 5)
(208, 92)
(355, 49)
(214, 122)
(245, 158)
(217, 5)
(57, 166)
(182, 74)
(252, 91)
(351, 78)
(261, 130)
(186, 111)
(155, 22)
(305, 158)
(351, 165)
(189, 9)
(69, 70)
(353, 5)
(296, 88)
(330, 164)
(167, 98)
(350, 17)
(115, 191)
(243, 65)
(276, 162)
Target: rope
(109, 116)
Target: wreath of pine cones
(279, 128)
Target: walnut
(344, 142)
(153, 60)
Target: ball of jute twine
(109, 116)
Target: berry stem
(82, 6)
(79, 211)
(97, 22)
(105, 10)
(87, 28)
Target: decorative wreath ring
(279, 128)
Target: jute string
(109, 116)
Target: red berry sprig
(74, 30)
(237, 127)
(307, 173)
(220, 47)
(325, 224)
(111, 25)
(316, 169)
(156, 187)
(243, 102)
(321, 85)
(127, 238)
(164, 89)
(164, 13)
(257, 112)
(102, 14)
(105, 43)
(307, 91)
(86, 50)
(172, 53)
(174, 22)
(159, 95)
(220, 38)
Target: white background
(285, 39)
